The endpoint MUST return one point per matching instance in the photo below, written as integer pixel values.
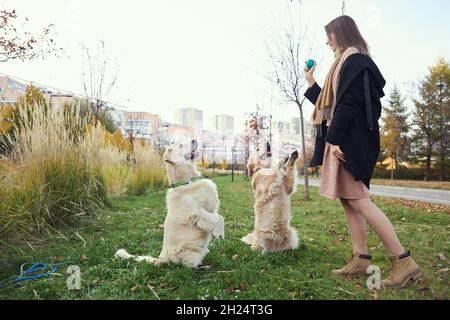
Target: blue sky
(210, 54)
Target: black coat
(357, 104)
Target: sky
(211, 54)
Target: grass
(59, 168)
(232, 270)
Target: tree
(98, 81)
(255, 131)
(394, 134)
(441, 75)
(17, 43)
(13, 116)
(257, 127)
(431, 117)
(286, 73)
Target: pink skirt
(337, 182)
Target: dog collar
(185, 182)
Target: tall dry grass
(148, 171)
(60, 169)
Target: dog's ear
(268, 149)
(250, 169)
(194, 145)
(193, 152)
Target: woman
(346, 115)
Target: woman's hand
(309, 75)
(337, 152)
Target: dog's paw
(283, 161)
(219, 230)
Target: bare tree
(17, 43)
(135, 127)
(286, 73)
(98, 80)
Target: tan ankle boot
(357, 265)
(403, 268)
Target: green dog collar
(185, 182)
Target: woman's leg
(356, 226)
(379, 223)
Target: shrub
(148, 172)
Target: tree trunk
(442, 158)
(427, 166)
(442, 144)
(392, 172)
(305, 160)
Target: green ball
(310, 63)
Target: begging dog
(192, 212)
(273, 187)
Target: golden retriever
(272, 187)
(192, 212)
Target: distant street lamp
(233, 152)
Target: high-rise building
(296, 128)
(222, 124)
(190, 118)
(295, 125)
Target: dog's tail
(123, 254)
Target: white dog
(192, 217)
(273, 187)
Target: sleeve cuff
(312, 93)
(334, 138)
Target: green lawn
(232, 270)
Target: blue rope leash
(30, 273)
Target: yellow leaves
(204, 164)
(115, 139)
(6, 112)
(119, 141)
(32, 97)
(224, 165)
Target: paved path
(427, 195)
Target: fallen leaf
(163, 285)
(242, 287)
(292, 294)
(229, 290)
(83, 258)
(133, 289)
(441, 257)
(235, 257)
(58, 259)
(443, 270)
